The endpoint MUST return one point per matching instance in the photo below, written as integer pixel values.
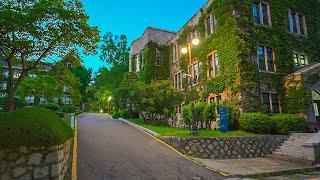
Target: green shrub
(284, 123)
(33, 126)
(60, 114)
(18, 103)
(187, 114)
(52, 107)
(209, 114)
(200, 107)
(256, 123)
(68, 108)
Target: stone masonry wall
(226, 148)
(35, 162)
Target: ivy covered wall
(150, 71)
(236, 39)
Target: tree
(127, 95)
(156, 99)
(50, 84)
(35, 31)
(115, 52)
(85, 77)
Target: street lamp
(185, 50)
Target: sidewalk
(243, 167)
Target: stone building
(150, 54)
(247, 52)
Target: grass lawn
(166, 130)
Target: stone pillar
(311, 149)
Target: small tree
(157, 97)
(187, 115)
(200, 107)
(209, 114)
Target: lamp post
(185, 50)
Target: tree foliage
(34, 31)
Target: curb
(140, 127)
(156, 136)
(74, 175)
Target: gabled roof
(306, 70)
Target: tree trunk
(10, 103)
(13, 88)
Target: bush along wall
(34, 144)
(236, 40)
(150, 70)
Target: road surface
(110, 149)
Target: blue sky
(131, 17)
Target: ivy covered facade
(247, 51)
(150, 55)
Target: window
(137, 63)
(218, 101)
(297, 23)
(271, 102)
(178, 80)
(214, 65)
(194, 71)
(261, 13)
(300, 59)
(5, 73)
(211, 23)
(68, 64)
(158, 57)
(176, 52)
(265, 59)
(3, 85)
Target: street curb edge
(156, 137)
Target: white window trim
(192, 72)
(297, 23)
(266, 61)
(213, 60)
(299, 60)
(261, 14)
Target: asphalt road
(110, 149)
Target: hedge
(34, 127)
(284, 123)
(256, 123)
(18, 103)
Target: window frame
(297, 22)
(271, 103)
(260, 13)
(266, 60)
(195, 68)
(158, 57)
(211, 24)
(215, 98)
(214, 65)
(299, 54)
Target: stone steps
(293, 147)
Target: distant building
(30, 100)
(150, 54)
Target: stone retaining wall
(226, 148)
(35, 162)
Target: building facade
(150, 54)
(247, 50)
